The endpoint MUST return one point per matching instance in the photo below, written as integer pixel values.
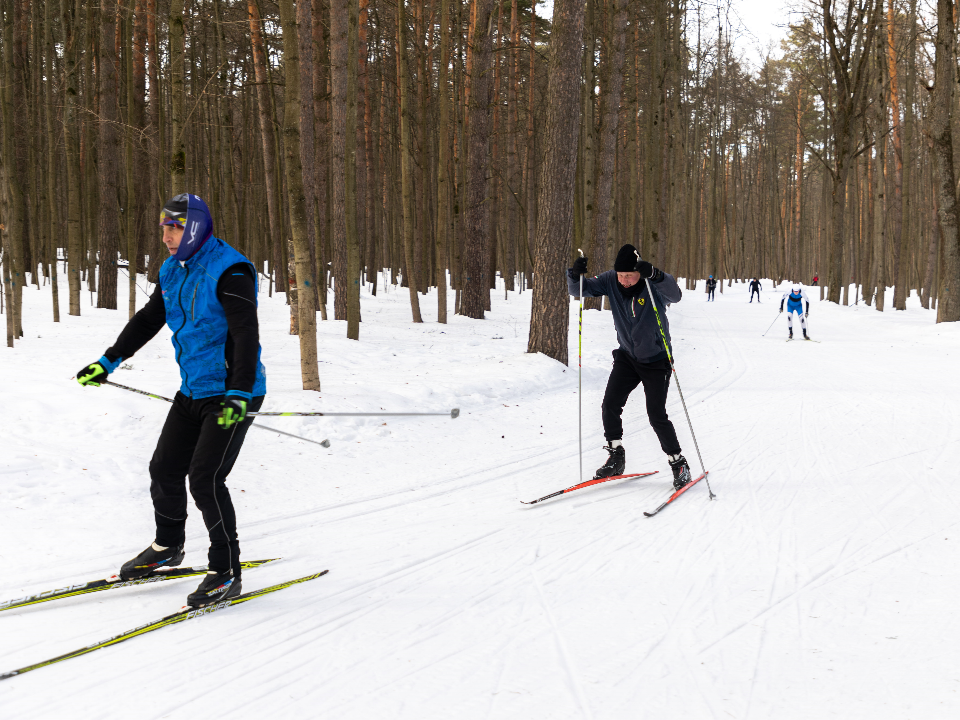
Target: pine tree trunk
(350, 130)
(68, 25)
(550, 315)
(609, 124)
(108, 159)
(941, 132)
(178, 151)
(265, 108)
(477, 209)
(302, 300)
(406, 160)
(339, 56)
(444, 196)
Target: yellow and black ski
(114, 581)
(187, 613)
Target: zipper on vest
(186, 381)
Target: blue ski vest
(198, 321)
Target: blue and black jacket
(209, 301)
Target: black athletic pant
(192, 444)
(710, 295)
(626, 375)
(751, 295)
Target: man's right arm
(141, 329)
(592, 286)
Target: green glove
(96, 373)
(234, 409)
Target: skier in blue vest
(207, 295)
(795, 299)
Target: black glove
(580, 265)
(649, 272)
(96, 373)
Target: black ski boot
(805, 334)
(791, 334)
(614, 464)
(151, 560)
(214, 588)
(681, 472)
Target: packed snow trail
(820, 583)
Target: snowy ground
(822, 582)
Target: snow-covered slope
(820, 583)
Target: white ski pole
(673, 367)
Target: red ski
(677, 494)
(595, 481)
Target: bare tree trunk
(406, 160)
(477, 223)
(941, 131)
(108, 159)
(178, 154)
(71, 139)
(353, 240)
(444, 196)
(339, 58)
(302, 300)
(265, 105)
(609, 123)
(550, 315)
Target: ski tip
(325, 443)
(455, 413)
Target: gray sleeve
(592, 286)
(668, 288)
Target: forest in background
(340, 142)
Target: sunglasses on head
(168, 218)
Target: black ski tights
(192, 444)
(627, 374)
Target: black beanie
(627, 259)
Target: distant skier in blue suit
(795, 298)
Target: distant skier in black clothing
(641, 357)
(207, 294)
(711, 286)
(755, 288)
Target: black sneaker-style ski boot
(681, 472)
(151, 560)
(614, 464)
(805, 335)
(214, 588)
(791, 334)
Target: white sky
(759, 18)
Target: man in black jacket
(642, 356)
(755, 288)
(711, 287)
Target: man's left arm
(237, 293)
(665, 282)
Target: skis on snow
(114, 581)
(595, 481)
(677, 494)
(187, 613)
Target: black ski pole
(771, 325)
